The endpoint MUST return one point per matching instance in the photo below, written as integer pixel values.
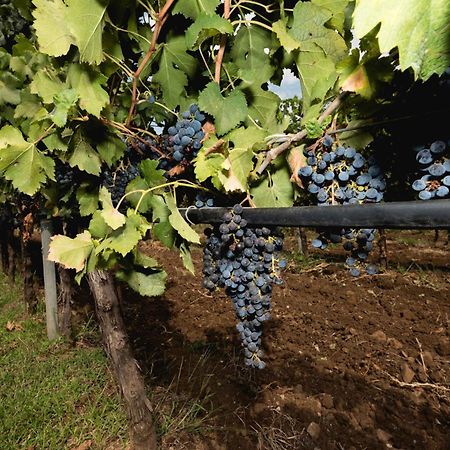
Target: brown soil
(351, 363)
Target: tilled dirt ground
(351, 363)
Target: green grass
(52, 396)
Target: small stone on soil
(379, 336)
(395, 343)
(407, 373)
(383, 436)
(327, 401)
(443, 347)
(313, 430)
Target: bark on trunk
(29, 294)
(11, 256)
(66, 295)
(302, 241)
(382, 243)
(130, 380)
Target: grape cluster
(202, 201)
(244, 260)
(64, 174)
(435, 164)
(186, 135)
(338, 175)
(117, 181)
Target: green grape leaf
(145, 202)
(63, 101)
(162, 229)
(175, 65)
(237, 168)
(46, 85)
(98, 228)
(111, 149)
(87, 198)
(275, 190)
(309, 64)
(177, 221)
(418, 28)
(206, 26)
(248, 53)
(29, 107)
(207, 166)
(85, 19)
(286, 40)
(88, 85)
(54, 36)
(83, 155)
(227, 111)
(8, 89)
(126, 238)
(263, 108)
(151, 285)
(309, 27)
(111, 215)
(337, 9)
(153, 176)
(186, 257)
(22, 163)
(143, 260)
(191, 9)
(71, 253)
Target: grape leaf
(98, 228)
(125, 239)
(111, 215)
(206, 26)
(227, 111)
(337, 9)
(8, 89)
(175, 65)
(88, 85)
(186, 257)
(150, 285)
(22, 163)
(192, 8)
(71, 253)
(151, 174)
(248, 53)
(286, 40)
(162, 229)
(238, 166)
(177, 221)
(111, 149)
(84, 156)
(87, 199)
(275, 190)
(419, 28)
(143, 260)
(29, 107)
(46, 85)
(50, 23)
(263, 107)
(85, 19)
(207, 166)
(63, 101)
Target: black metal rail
(433, 214)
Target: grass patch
(53, 396)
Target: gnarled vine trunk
(65, 298)
(131, 382)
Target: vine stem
(276, 151)
(223, 43)
(161, 19)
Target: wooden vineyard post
(51, 296)
(125, 367)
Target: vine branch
(223, 43)
(160, 20)
(290, 139)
